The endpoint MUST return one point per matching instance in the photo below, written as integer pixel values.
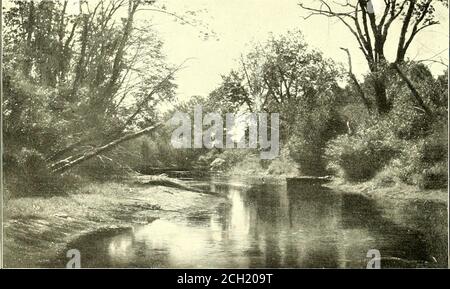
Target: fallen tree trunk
(61, 152)
(60, 163)
(88, 155)
(170, 183)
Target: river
(272, 224)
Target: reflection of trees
(395, 240)
(312, 226)
(431, 218)
(314, 213)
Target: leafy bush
(235, 160)
(407, 123)
(433, 151)
(360, 156)
(435, 177)
(102, 168)
(423, 163)
(309, 137)
(377, 152)
(284, 165)
(247, 164)
(27, 175)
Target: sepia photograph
(224, 134)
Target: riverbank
(395, 194)
(37, 229)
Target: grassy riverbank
(38, 229)
(396, 193)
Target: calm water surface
(279, 225)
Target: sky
(237, 23)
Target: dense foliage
(75, 81)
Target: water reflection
(275, 225)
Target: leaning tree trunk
(414, 92)
(88, 155)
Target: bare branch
(355, 81)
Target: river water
(276, 225)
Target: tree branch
(102, 149)
(355, 81)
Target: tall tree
(285, 76)
(281, 70)
(371, 32)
